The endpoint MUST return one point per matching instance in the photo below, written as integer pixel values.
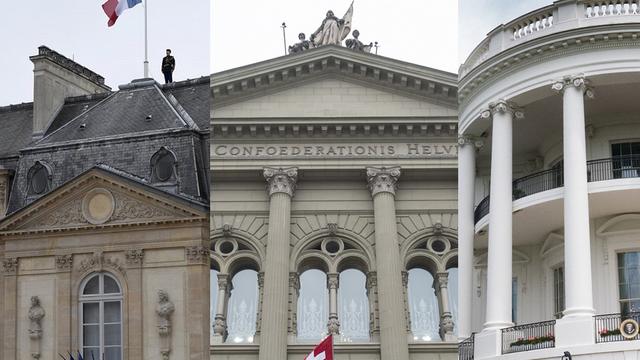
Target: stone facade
(340, 161)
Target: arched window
(101, 317)
(353, 306)
(39, 178)
(453, 296)
(313, 306)
(423, 306)
(163, 164)
(243, 307)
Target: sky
(78, 29)
(478, 17)
(417, 31)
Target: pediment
(286, 72)
(622, 224)
(99, 199)
(334, 95)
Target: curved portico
(556, 173)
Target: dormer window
(163, 166)
(39, 178)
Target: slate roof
(118, 129)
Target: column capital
(281, 180)
(333, 280)
(223, 282)
(443, 279)
(502, 107)
(383, 179)
(470, 140)
(577, 81)
(294, 280)
(372, 280)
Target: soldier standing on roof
(168, 65)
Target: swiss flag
(324, 350)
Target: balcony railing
(465, 348)
(608, 327)
(619, 167)
(527, 337)
(549, 20)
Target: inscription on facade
(430, 150)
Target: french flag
(115, 8)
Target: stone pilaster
(64, 265)
(393, 335)
(294, 293)
(135, 299)
(372, 295)
(197, 301)
(9, 318)
(260, 297)
(273, 337)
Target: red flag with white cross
(323, 351)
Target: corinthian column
(220, 321)
(273, 335)
(499, 268)
(393, 334)
(333, 283)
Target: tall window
(243, 307)
(558, 291)
(163, 164)
(453, 297)
(423, 306)
(629, 281)
(353, 306)
(101, 318)
(626, 159)
(313, 305)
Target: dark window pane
(164, 166)
(112, 312)
(93, 286)
(91, 335)
(91, 313)
(112, 334)
(110, 285)
(91, 353)
(112, 353)
(39, 180)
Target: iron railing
(608, 327)
(465, 348)
(527, 337)
(619, 167)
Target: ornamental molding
(475, 141)
(503, 107)
(64, 262)
(281, 180)
(10, 266)
(542, 50)
(99, 262)
(383, 179)
(197, 254)
(134, 257)
(236, 128)
(333, 281)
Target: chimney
(55, 78)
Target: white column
(466, 232)
(577, 240)
(446, 319)
(273, 335)
(393, 333)
(499, 269)
(220, 322)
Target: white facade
(550, 131)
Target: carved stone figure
(356, 44)
(300, 46)
(333, 30)
(164, 310)
(36, 313)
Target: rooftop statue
(300, 46)
(356, 44)
(333, 30)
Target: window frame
(559, 303)
(100, 298)
(620, 300)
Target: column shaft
(500, 221)
(393, 334)
(466, 233)
(577, 241)
(273, 335)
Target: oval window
(39, 179)
(164, 165)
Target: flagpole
(146, 42)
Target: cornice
(235, 84)
(542, 49)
